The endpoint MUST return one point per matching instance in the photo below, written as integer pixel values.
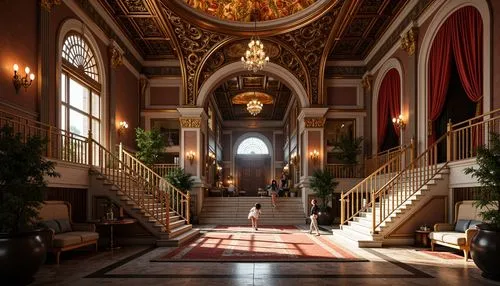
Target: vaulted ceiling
(232, 96)
(300, 36)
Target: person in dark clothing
(314, 217)
(274, 193)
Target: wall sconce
(22, 81)
(190, 156)
(399, 121)
(314, 155)
(122, 127)
(229, 180)
(211, 158)
(286, 168)
(294, 159)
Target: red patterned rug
(268, 244)
(442, 254)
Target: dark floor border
(415, 273)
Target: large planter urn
(485, 251)
(325, 218)
(21, 255)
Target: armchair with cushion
(65, 235)
(458, 235)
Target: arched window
(80, 88)
(252, 145)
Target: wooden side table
(111, 223)
(422, 238)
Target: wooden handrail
(138, 189)
(179, 202)
(358, 198)
(474, 119)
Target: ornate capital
(190, 122)
(409, 41)
(366, 82)
(116, 56)
(314, 122)
(47, 4)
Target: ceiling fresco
(232, 96)
(250, 10)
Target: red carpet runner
(269, 243)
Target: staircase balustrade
(179, 202)
(164, 169)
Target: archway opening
(253, 165)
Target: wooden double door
(254, 171)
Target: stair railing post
(342, 209)
(449, 146)
(120, 155)
(89, 145)
(188, 203)
(373, 212)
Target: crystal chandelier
(254, 107)
(255, 58)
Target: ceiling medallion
(255, 58)
(254, 106)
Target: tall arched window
(252, 145)
(80, 88)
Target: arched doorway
(253, 163)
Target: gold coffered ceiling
(321, 30)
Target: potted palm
(485, 246)
(347, 148)
(22, 186)
(293, 192)
(150, 144)
(184, 182)
(323, 184)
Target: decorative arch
(441, 16)
(77, 27)
(252, 145)
(392, 63)
(247, 135)
(234, 68)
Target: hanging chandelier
(254, 107)
(255, 58)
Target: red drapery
(460, 35)
(388, 103)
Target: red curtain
(388, 103)
(460, 35)
(439, 74)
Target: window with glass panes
(80, 88)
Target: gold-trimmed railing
(164, 169)
(345, 171)
(179, 202)
(359, 198)
(373, 162)
(150, 198)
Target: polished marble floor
(384, 266)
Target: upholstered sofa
(64, 234)
(458, 235)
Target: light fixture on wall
(255, 58)
(122, 127)
(286, 168)
(20, 81)
(399, 121)
(211, 158)
(294, 159)
(190, 156)
(314, 155)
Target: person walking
(254, 215)
(274, 193)
(314, 217)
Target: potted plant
(347, 148)
(485, 246)
(150, 144)
(184, 182)
(293, 192)
(22, 186)
(323, 184)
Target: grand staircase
(394, 193)
(234, 211)
(159, 207)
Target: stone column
(115, 55)
(43, 64)
(367, 84)
(409, 43)
(311, 131)
(193, 144)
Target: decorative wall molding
(48, 4)
(409, 41)
(151, 71)
(116, 56)
(344, 71)
(314, 122)
(190, 122)
(367, 82)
